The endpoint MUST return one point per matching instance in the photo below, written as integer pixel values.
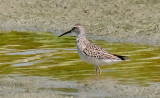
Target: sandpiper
(91, 53)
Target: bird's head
(77, 28)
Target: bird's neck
(81, 41)
(81, 37)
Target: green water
(44, 54)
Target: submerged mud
(18, 86)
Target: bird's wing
(94, 51)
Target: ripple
(31, 52)
(27, 63)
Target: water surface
(44, 54)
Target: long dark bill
(66, 32)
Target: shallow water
(44, 54)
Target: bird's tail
(125, 58)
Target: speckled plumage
(91, 53)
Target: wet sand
(129, 21)
(17, 86)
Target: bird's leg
(96, 69)
(99, 70)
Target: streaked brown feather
(96, 52)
